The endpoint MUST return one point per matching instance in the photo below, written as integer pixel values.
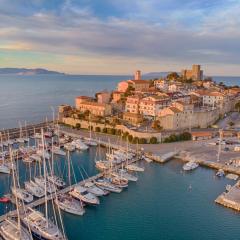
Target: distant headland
(27, 71)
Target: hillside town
(146, 108)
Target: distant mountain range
(27, 71)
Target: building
(117, 96)
(195, 73)
(202, 135)
(132, 104)
(98, 109)
(81, 99)
(137, 83)
(103, 97)
(151, 105)
(133, 118)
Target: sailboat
(22, 194)
(82, 194)
(65, 201)
(10, 229)
(34, 189)
(41, 226)
(105, 184)
(92, 188)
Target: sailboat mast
(15, 187)
(45, 177)
(69, 170)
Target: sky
(120, 36)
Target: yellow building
(195, 73)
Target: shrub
(130, 138)
(78, 126)
(111, 131)
(104, 130)
(135, 140)
(98, 129)
(142, 140)
(153, 140)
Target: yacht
(119, 182)
(102, 165)
(68, 204)
(58, 151)
(56, 180)
(190, 166)
(90, 142)
(80, 145)
(70, 147)
(92, 188)
(4, 168)
(34, 189)
(130, 177)
(22, 195)
(10, 230)
(134, 168)
(41, 227)
(220, 173)
(36, 157)
(40, 181)
(82, 194)
(106, 185)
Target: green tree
(130, 138)
(142, 140)
(104, 130)
(98, 129)
(172, 76)
(153, 140)
(135, 140)
(78, 126)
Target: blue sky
(119, 36)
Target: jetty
(230, 199)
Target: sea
(164, 204)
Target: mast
(69, 170)
(15, 187)
(45, 178)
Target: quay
(230, 199)
(29, 130)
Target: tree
(156, 125)
(142, 140)
(104, 130)
(130, 138)
(172, 76)
(231, 124)
(97, 129)
(153, 140)
(78, 126)
(185, 136)
(135, 140)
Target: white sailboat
(92, 188)
(66, 202)
(40, 181)
(134, 168)
(82, 194)
(126, 175)
(56, 180)
(106, 185)
(58, 151)
(79, 144)
(11, 229)
(34, 189)
(22, 194)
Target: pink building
(103, 97)
(132, 104)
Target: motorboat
(4, 168)
(10, 230)
(119, 182)
(70, 205)
(130, 177)
(82, 194)
(22, 194)
(105, 184)
(34, 189)
(70, 147)
(56, 180)
(80, 145)
(134, 168)
(102, 165)
(220, 173)
(92, 188)
(40, 226)
(40, 181)
(190, 166)
(58, 151)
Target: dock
(230, 199)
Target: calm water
(159, 206)
(29, 98)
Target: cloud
(178, 37)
